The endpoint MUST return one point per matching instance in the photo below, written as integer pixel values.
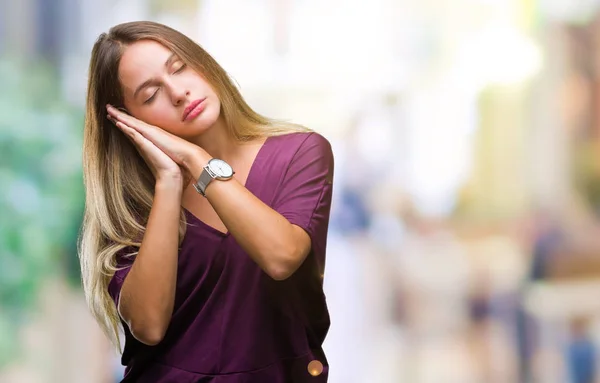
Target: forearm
(148, 293)
(268, 237)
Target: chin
(197, 129)
(207, 119)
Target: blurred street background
(465, 231)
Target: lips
(191, 107)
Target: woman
(214, 275)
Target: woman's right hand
(161, 165)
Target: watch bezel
(216, 171)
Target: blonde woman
(214, 275)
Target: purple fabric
(232, 323)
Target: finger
(119, 126)
(129, 132)
(119, 115)
(127, 119)
(142, 127)
(155, 135)
(136, 139)
(112, 119)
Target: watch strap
(205, 178)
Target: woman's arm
(148, 292)
(276, 245)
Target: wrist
(169, 182)
(196, 161)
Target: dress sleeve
(304, 196)
(125, 258)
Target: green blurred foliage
(42, 197)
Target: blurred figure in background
(581, 352)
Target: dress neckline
(248, 185)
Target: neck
(218, 142)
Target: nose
(179, 94)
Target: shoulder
(299, 138)
(305, 156)
(298, 144)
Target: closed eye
(148, 101)
(181, 68)
(178, 70)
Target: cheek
(202, 86)
(164, 117)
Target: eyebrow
(150, 81)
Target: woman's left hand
(179, 150)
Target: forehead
(140, 61)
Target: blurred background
(465, 231)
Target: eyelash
(181, 68)
(151, 97)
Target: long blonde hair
(119, 185)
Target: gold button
(315, 368)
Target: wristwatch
(215, 169)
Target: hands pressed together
(168, 156)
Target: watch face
(220, 168)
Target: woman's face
(161, 90)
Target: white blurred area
(454, 124)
